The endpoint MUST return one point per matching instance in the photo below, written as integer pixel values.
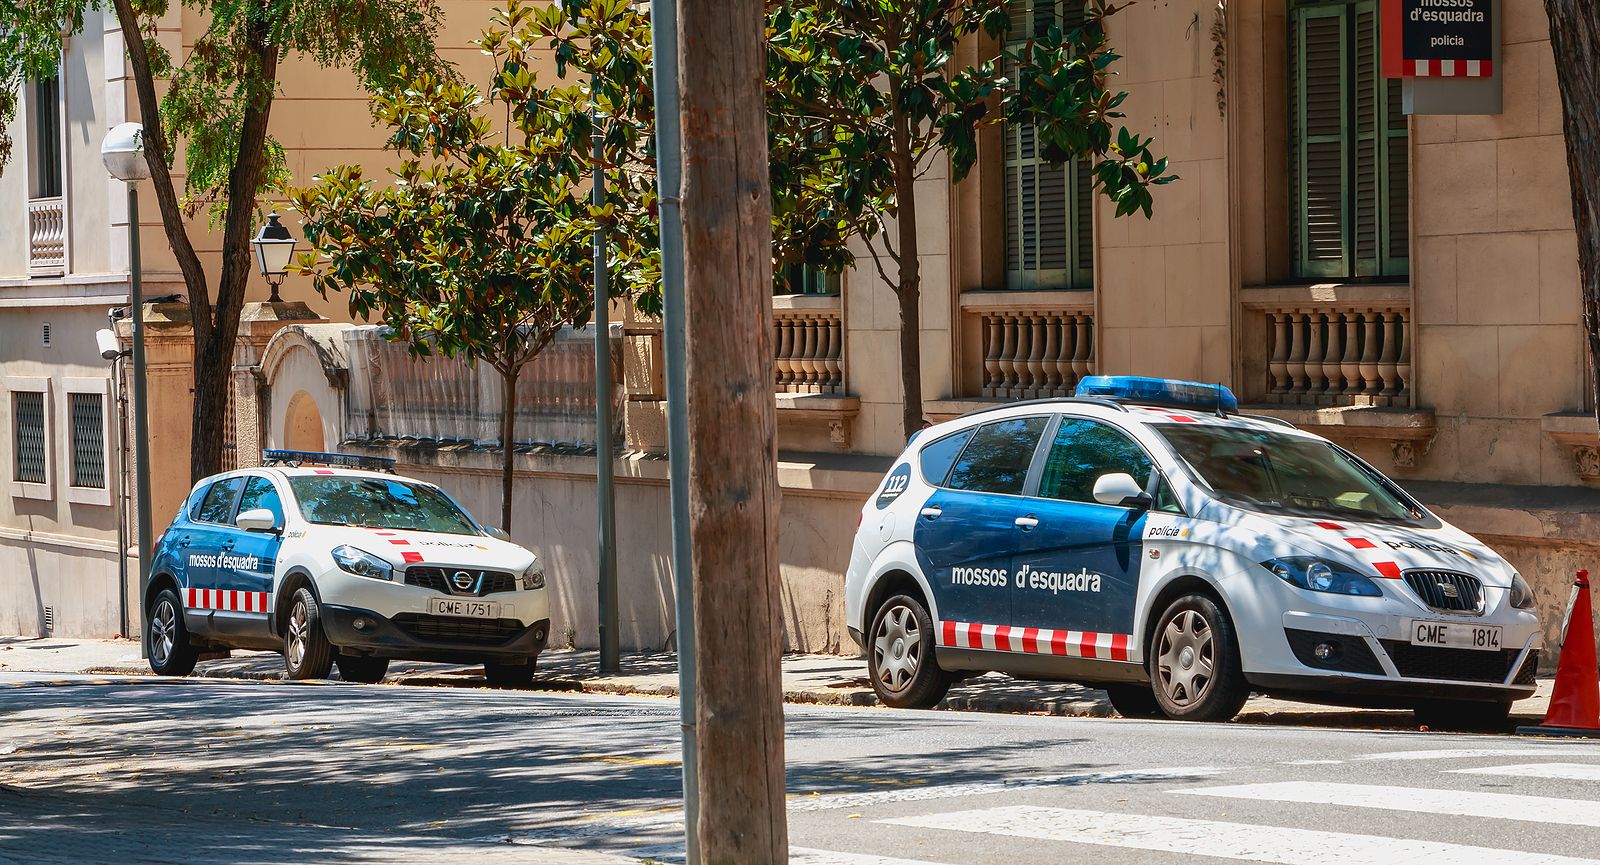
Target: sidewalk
(825, 679)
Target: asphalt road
(246, 772)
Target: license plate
(469, 609)
(1455, 635)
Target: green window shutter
(1321, 206)
(1396, 209)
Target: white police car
(333, 565)
(1146, 538)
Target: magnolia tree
(216, 110)
(480, 246)
(866, 96)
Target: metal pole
(141, 420)
(604, 448)
(120, 400)
(669, 179)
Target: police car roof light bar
(295, 459)
(1171, 393)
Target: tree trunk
(1575, 38)
(910, 288)
(733, 486)
(508, 438)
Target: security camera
(107, 341)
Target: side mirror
(1120, 489)
(497, 533)
(257, 520)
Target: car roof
(1116, 411)
(287, 472)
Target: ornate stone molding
(1580, 435)
(804, 412)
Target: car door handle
(1027, 522)
(227, 545)
(932, 513)
(183, 541)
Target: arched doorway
(302, 424)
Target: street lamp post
(274, 250)
(122, 151)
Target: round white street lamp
(274, 250)
(123, 153)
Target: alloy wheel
(297, 635)
(897, 648)
(163, 624)
(1186, 660)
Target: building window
(1049, 208)
(805, 279)
(1348, 170)
(46, 138)
(88, 415)
(31, 464)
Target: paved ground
(140, 769)
(825, 679)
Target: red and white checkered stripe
(1449, 68)
(1389, 570)
(1035, 641)
(226, 599)
(406, 556)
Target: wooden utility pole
(733, 485)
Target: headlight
(362, 563)
(1319, 575)
(1522, 596)
(533, 577)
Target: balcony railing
(809, 347)
(1321, 355)
(1032, 353)
(47, 235)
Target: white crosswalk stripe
(981, 788)
(808, 856)
(1560, 771)
(1222, 840)
(1471, 753)
(1459, 803)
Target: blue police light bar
(295, 459)
(1168, 392)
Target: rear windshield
(375, 503)
(1283, 474)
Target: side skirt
(1044, 668)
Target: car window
(937, 458)
(260, 493)
(378, 503)
(996, 459)
(1084, 450)
(217, 506)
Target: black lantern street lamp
(274, 250)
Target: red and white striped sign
(226, 599)
(1035, 641)
(1448, 68)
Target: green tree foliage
(216, 110)
(867, 95)
(481, 246)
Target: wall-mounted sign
(1443, 38)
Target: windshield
(375, 503)
(1277, 473)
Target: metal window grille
(27, 411)
(46, 334)
(88, 440)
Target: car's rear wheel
(506, 675)
(1488, 715)
(365, 670)
(307, 654)
(1195, 662)
(900, 657)
(170, 652)
(1134, 701)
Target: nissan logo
(463, 581)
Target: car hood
(1388, 550)
(403, 548)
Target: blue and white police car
(1147, 538)
(331, 563)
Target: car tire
(307, 654)
(1486, 715)
(504, 675)
(168, 638)
(900, 657)
(1195, 669)
(361, 669)
(1134, 701)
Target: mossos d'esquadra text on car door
(330, 562)
(1145, 537)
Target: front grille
(439, 580)
(1462, 665)
(1350, 655)
(1447, 590)
(1530, 668)
(455, 629)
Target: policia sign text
(1443, 38)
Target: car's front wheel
(170, 652)
(900, 658)
(365, 670)
(307, 654)
(1195, 662)
(506, 675)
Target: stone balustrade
(47, 235)
(1032, 353)
(1321, 355)
(809, 346)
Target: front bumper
(422, 637)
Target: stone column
(258, 322)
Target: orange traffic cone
(1575, 705)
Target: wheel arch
(293, 581)
(894, 581)
(159, 581)
(1177, 587)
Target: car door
(966, 528)
(251, 557)
(1076, 561)
(200, 547)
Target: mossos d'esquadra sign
(1438, 38)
